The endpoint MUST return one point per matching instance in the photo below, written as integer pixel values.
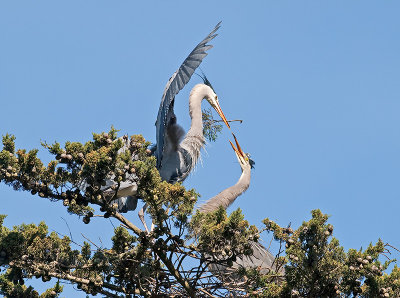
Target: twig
(124, 226)
(387, 244)
(270, 243)
(89, 241)
(67, 236)
(236, 120)
(68, 228)
(208, 294)
(109, 294)
(176, 273)
(112, 223)
(74, 279)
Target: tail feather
(261, 259)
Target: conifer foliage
(173, 259)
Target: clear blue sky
(316, 83)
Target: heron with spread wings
(176, 156)
(177, 153)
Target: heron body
(166, 116)
(180, 156)
(261, 258)
(177, 153)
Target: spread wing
(177, 81)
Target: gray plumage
(261, 258)
(180, 159)
(126, 196)
(226, 197)
(176, 153)
(178, 80)
(126, 204)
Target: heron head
(243, 158)
(251, 161)
(212, 98)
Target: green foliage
(75, 178)
(211, 128)
(317, 266)
(28, 244)
(174, 259)
(86, 251)
(53, 292)
(313, 259)
(122, 240)
(8, 143)
(219, 235)
(8, 288)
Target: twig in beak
(236, 120)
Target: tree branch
(127, 223)
(175, 273)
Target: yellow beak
(237, 149)
(221, 114)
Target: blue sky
(316, 83)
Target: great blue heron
(226, 197)
(177, 153)
(261, 258)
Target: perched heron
(177, 157)
(177, 153)
(261, 258)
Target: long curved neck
(194, 139)
(226, 197)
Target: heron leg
(141, 216)
(152, 223)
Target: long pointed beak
(237, 150)
(238, 146)
(221, 114)
(238, 155)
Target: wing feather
(177, 81)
